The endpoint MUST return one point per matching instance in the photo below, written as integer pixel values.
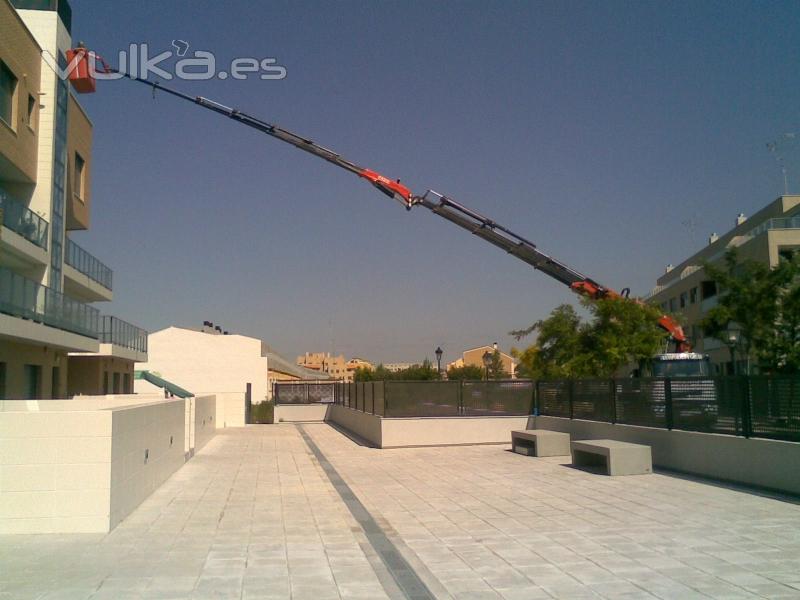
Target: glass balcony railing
(22, 220)
(28, 299)
(87, 264)
(776, 223)
(121, 333)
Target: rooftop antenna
(776, 148)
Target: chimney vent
(712, 238)
(669, 268)
(740, 218)
(218, 329)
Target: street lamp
(733, 337)
(487, 361)
(438, 354)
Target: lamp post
(733, 337)
(438, 354)
(487, 361)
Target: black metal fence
(437, 398)
(750, 406)
(303, 392)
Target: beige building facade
(324, 362)
(685, 290)
(474, 358)
(48, 283)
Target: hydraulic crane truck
(680, 363)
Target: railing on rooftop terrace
(751, 406)
(21, 297)
(121, 333)
(22, 220)
(87, 264)
(417, 398)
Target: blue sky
(615, 135)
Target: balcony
(23, 221)
(22, 297)
(86, 277)
(125, 340)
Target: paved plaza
(304, 512)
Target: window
(105, 382)
(33, 377)
(708, 289)
(117, 389)
(693, 295)
(684, 299)
(80, 176)
(2, 381)
(31, 111)
(127, 384)
(673, 304)
(8, 88)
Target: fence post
(386, 395)
(668, 402)
(373, 398)
(613, 397)
(747, 408)
(461, 397)
(569, 397)
(535, 399)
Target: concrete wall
(301, 412)
(74, 466)
(146, 448)
(446, 431)
(207, 364)
(765, 463)
(205, 426)
(429, 431)
(230, 409)
(364, 425)
(55, 471)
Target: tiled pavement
(256, 515)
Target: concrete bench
(618, 458)
(540, 442)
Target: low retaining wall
(293, 413)
(204, 421)
(68, 466)
(769, 464)
(404, 432)
(364, 425)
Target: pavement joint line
(408, 582)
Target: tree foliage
(469, 372)
(496, 369)
(619, 333)
(418, 372)
(765, 304)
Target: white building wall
(208, 364)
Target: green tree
(470, 372)
(496, 369)
(764, 303)
(619, 333)
(379, 373)
(424, 372)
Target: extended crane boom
(82, 63)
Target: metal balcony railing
(21, 297)
(87, 264)
(121, 333)
(22, 220)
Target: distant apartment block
(772, 233)
(396, 367)
(324, 362)
(53, 341)
(474, 358)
